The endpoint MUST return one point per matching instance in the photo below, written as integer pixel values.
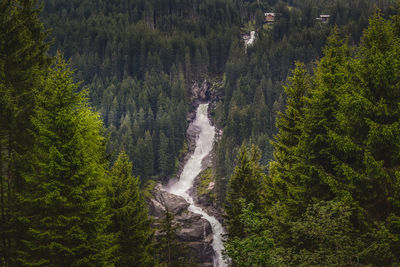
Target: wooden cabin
(271, 18)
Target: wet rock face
(162, 200)
(200, 92)
(205, 201)
(195, 232)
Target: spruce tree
(171, 252)
(165, 159)
(369, 115)
(312, 173)
(304, 168)
(245, 186)
(130, 222)
(316, 149)
(290, 125)
(346, 158)
(22, 60)
(63, 208)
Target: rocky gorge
(194, 230)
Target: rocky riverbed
(195, 232)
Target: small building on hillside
(323, 18)
(271, 18)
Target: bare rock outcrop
(201, 92)
(195, 232)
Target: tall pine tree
(245, 186)
(290, 125)
(369, 117)
(346, 160)
(130, 221)
(22, 59)
(63, 208)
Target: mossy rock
(206, 183)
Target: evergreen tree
(317, 170)
(290, 125)
(345, 160)
(369, 117)
(63, 206)
(148, 155)
(256, 247)
(170, 251)
(165, 160)
(245, 185)
(130, 221)
(302, 173)
(22, 59)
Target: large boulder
(194, 231)
(162, 200)
(194, 228)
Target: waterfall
(249, 40)
(192, 168)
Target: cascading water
(249, 39)
(191, 169)
(252, 38)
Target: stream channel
(192, 168)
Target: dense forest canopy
(137, 58)
(331, 195)
(319, 186)
(253, 82)
(56, 209)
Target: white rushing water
(249, 42)
(192, 168)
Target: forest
(95, 97)
(331, 195)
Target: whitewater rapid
(192, 168)
(249, 39)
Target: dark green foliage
(130, 221)
(254, 249)
(325, 237)
(144, 156)
(166, 162)
(245, 187)
(332, 194)
(171, 252)
(132, 38)
(22, 56)
(289, 124)
(52, 184)
(63, 207)
(138, 59)
(253, 86)
(333, 200)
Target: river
(192, 168)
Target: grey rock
(198, 250)
(162, 200)
(201, 92)
(194, 231)
(197, 230)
